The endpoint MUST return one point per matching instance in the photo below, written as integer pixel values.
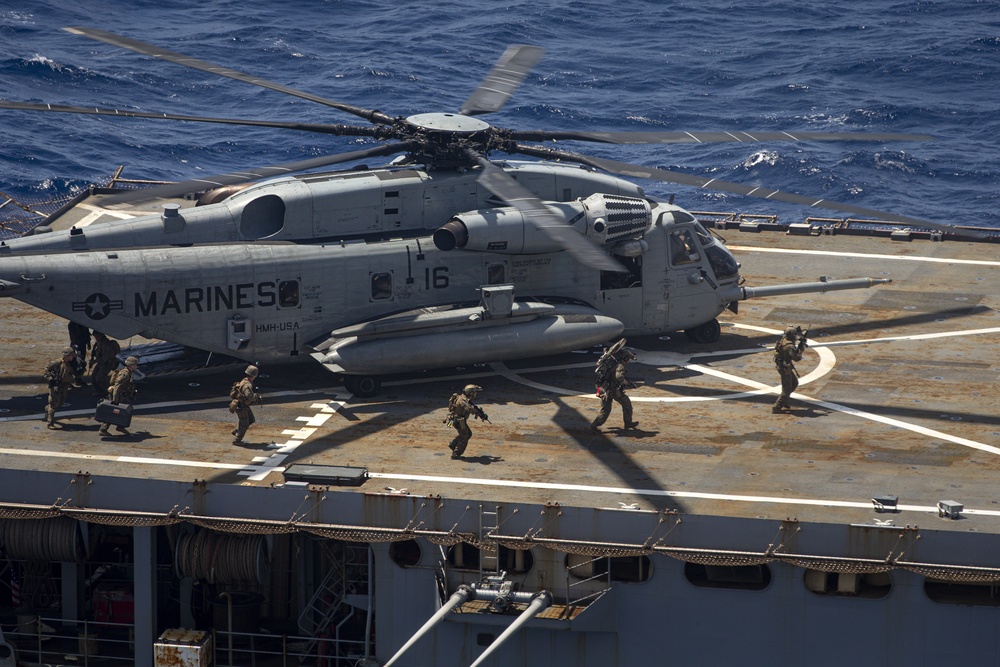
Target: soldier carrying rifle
(460, 408)
(787, 351)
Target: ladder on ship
(489, 555)
(329, 601)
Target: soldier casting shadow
(787, 351)
(243, 395)
(611, 378)
(60, 374)
(122, 390)
(460, 408)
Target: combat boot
(122, 430)
(104, 430)
(631, 425)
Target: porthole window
(496, 274)
(739, 577)
(288, 293)
(849, 584)
(405, 553)
(381, 286)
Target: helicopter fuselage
(381, 271)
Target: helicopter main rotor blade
(506, 188)
(501, 82)
(210, 182)
(322, 128)
(655, 137)
(181, 59)
(668, 176)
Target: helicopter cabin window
(288, 294)
(496, 274)
(381, 286)
(683, 248)
(262, 217)
(618, 280)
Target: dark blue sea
(919, 66)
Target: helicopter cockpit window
(288, 293)
(683, 248)
(381, 286)
(706, 238)
(723, 264)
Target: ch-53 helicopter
(442, 257)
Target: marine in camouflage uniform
(787, 351)
(60, 374)
(611, 387)
(460, 408)
(103, 360)
(79, 340)
(122, 390)
(243, 396)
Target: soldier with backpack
(611, 379)
(460, 408)
(243, 396)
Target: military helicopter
(442, 257)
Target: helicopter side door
(620, 294)
(690, 289)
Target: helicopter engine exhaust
(602, 218)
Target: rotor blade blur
(322, 128)
(668, 176)
(501, 82)
(708, 137)
(506, 188)
(211, 182)
(181, 59)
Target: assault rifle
(802, 336)
(480, 413)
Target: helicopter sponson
(609, 220)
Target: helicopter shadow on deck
(615, 460)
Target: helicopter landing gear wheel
(706, 333)
(363, 386)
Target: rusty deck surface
(898, 397)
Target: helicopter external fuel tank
(426, 339)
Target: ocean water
(919, 66)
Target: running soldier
(60, 374)
(460, 408)
(103, 361)
(611, 379)
(243, 395)
(787, 351)
(122, 390)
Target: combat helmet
(251, 371)
(132, 361)
(790, 332)
(472, 389)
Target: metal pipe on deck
(736, 293)
(458, 598)
(539, 601)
